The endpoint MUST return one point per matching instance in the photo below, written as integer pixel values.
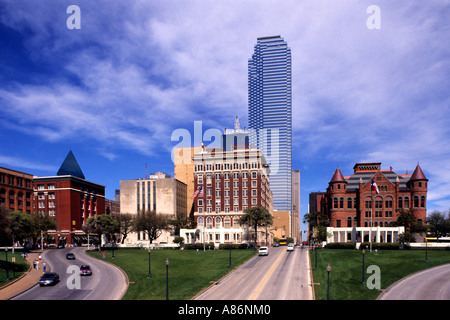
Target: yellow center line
(255, 294)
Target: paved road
(279, 276)
(430, 284)
(106, 283)
(290, 279)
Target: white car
(290, 247)
(263, 251)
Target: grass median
(189, 271)
(347, 270)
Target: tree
(438, 225)
(256, 217)
(41, 223)
(151, 223)
(101, 224)
(182, 222)
(407, 219)
(20, 225)
(4, 224)
(126, 223)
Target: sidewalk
(26, 281)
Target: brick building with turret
(353, 206)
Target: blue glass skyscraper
(270, 113)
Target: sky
(367, 84)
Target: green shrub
(341, 245)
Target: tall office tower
(270, 113)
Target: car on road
(70, 256)
(49, 279)
(85, 270)
(276, 244)
(290, 247)
(263, 251)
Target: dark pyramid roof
(70, 167)
(418, 174)
(338, 177)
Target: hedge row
(210, 245)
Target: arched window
(406, 202)
(416, 201)
(349, 222)
(227, 222)
(400, 202)
(349, 203)
(422, 201)
(209, 223)
(335, 202)
(218, 223)
(341, 202)
(200, 221)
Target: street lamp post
(149, 266)
(230, 253)
(328, 282)
(7, 271)
(167, 278)
(363, 275)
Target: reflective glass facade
(270, 113)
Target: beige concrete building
(160, 193)
(281, 224)
(184, 171)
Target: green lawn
(346, 273)
(15, 270)
(189, 271)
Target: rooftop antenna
(146, 171)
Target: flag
(375, 187)
(199, 192)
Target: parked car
(263, 251)
(70, 256)
(290, 247)
(49, 279)
(85, 270)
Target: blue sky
(115, 90)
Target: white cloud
(138, 70)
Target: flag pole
(371, 220)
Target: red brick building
(231, 182)
(70, 199)
(348, 200)
(16, 190)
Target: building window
(406, 202)
(341, 203)
(338, 223)
(416, 201)
(422, 201)
(218, 223)
(209, 223)
(349, 222)
(335, 203)
(349, 203)
(388, 202)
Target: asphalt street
(106, 283)
(281, 275)
(430, 284)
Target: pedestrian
(103, 255)
(34, 264)
(44, 267)
(37, 264)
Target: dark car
(49, 279)
(70, 256)
(85, 270)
